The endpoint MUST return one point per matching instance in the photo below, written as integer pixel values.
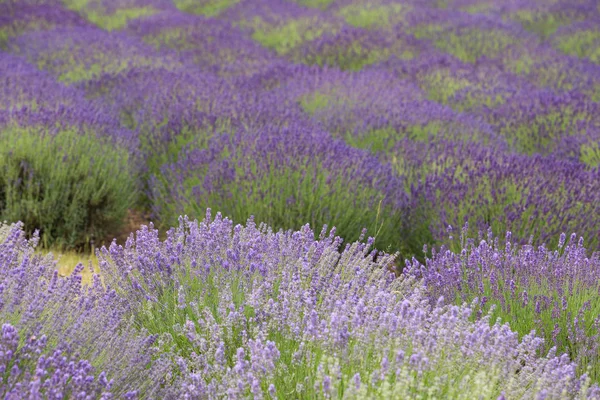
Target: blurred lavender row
(169, 76)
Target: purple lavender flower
(64, 338)
(397, 319)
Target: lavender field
(331, 199)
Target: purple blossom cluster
(535, 197)
(61, 339)
(248, 306)
(552, 290)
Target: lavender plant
(536, 123)
(263, 314)
(76, 55)
(545, 19)
(215, 46)
(50, 182)
(208, 8)
(531, 196)
(376, 110)
(469, 38)
(372, 15)
(402, 117)
(550, 289)
(283, 183)
(286, 30)
(17, 17)
(62, 340)
(581, 39)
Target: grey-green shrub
(73, 187)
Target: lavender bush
(553, 290)
(50, 182)
(60, 339)
(257, 313)
(535, 198)
(334, 185)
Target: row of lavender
(405, 118)
(224, 311)
(468, 108)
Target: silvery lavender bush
(265, 314)
(49, 182)
(552, 290)
(60, 339)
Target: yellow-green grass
(208, 8)
(66, 261)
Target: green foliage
(427, 31)
(317, 101)
(473, 44)
(583, 44)
(71, 70)
(473, 100)
(284, 38)
(95, 14)
(595, 94)
(383, 140)
(72, 187)
(351, 57)
(4, 36)
(544, 24)
(590, 154)
(376, 140)
(539, 135)
(209, 8)
(368, 17)
(322, 4)
(379, 140)
(479, 8)
(440, 86)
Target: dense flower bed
(436, 125)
